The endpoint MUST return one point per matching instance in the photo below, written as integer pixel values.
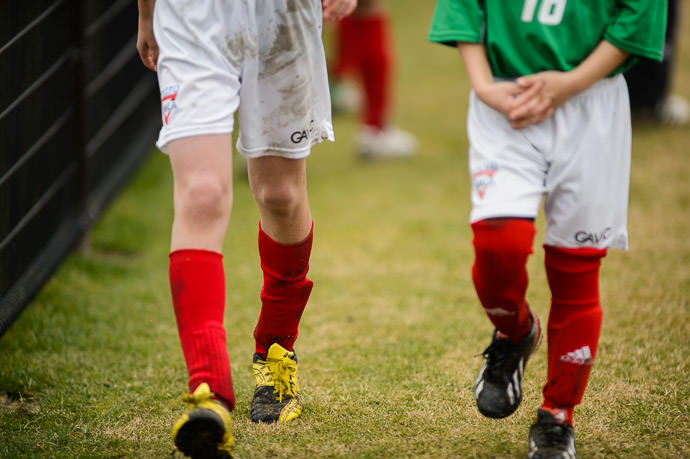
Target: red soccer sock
(574, 324)
(500, 274)
(364, 47)
(285, 291)
(349, 46)
(377, 63)
(197, 283)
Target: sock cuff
(572, 260)
(269, 240)
(288, 262)
(512, 233)
(197, 287)
(197, 254)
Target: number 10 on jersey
(550, 11)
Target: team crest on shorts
(483, 177)
(168, 104)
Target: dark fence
(78, 114)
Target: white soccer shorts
(578, 159)
(263, 57)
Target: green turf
(388, 343)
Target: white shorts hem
(618, 243)
(500, 212)
(291, 153)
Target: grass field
(388, 343)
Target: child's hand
(556, 89)
(334, 10)
(507, 98)
(146, 43)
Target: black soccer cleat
(498, 389)
(551, 436)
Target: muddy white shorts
(578, 159)
(264, 57)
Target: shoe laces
(198, 397)
(283, 372)
(496, 356)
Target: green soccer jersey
(527, 36)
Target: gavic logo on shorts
(305, 134)
(583, 237)
(299, 136)
(483, 177)
(168, 104)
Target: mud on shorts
(578, 160)
(263, 57)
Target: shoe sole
(201, 436)
(265, 412)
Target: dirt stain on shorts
(286, 63)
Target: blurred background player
(364, 56)
(265, 60)
(649, 82)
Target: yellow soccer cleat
(205, 430)
(276, 393)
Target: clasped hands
(529, 99)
